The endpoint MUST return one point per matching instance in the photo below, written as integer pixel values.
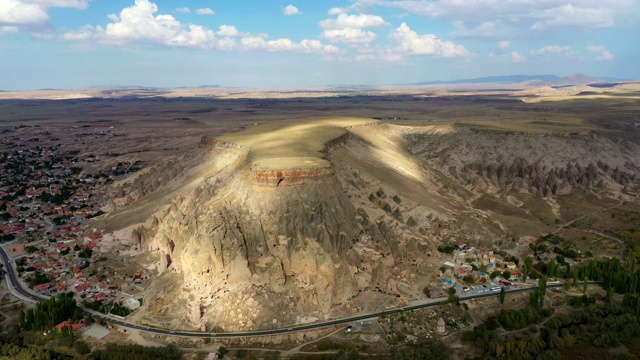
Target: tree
(526, 268)
(506, 274)
(503, 293)
(609, 296)
(222, 351)
(542, 285)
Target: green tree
(503, 293)
(609, 296)
(542, 285)
(506, 274)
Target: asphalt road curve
(193, 334)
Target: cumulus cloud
(291, 10)
(603, 53)
(140, 24)
(410, 43)
(33, 12)
(359, 21)
(337, 11)
(350, 28)
(516, 58)
(227, 31)
(553, 50)
(205, 11)
(183, 10)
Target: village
(471, 271)
(45, 202)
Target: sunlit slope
(295, 144)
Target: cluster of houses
(63, 264)
(45, 201)
(479, 264)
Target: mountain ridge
(542, 79)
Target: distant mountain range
(532, 80)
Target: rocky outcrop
(287, 240)
(546, 181)
(301, 176)
(542, 164)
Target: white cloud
(76, 4)
(33, 12)
(516, 58)
(523, 14)
(15, 12)
(291, 10)
(569, 15)
(603, 53)
(359, 21)
(183, 10)
(410, 43)
(205, 11)
(227, 31)
(139, 25)
(337, 11)
(349, 28)
(504, 44)
(84, 34)
(279, 45)
(349, 35)
(553, 50)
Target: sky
(70, 44)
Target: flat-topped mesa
(288, 172)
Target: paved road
(17, 288)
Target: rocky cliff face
(285, 177)
(267, 243)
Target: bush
(446, 249)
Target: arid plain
(237, 209)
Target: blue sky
(262, 43)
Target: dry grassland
(291, 144)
